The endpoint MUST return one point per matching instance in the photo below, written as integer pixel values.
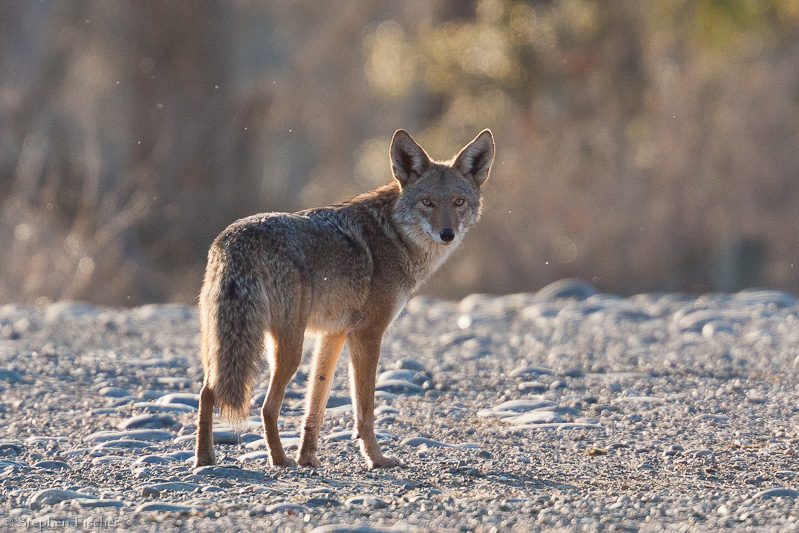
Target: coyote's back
(345, 271)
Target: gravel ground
(560, 410)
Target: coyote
(345, 271)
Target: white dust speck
(23, 232)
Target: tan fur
(345, 271)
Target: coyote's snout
(345, 271)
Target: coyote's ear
(408, 160)
(476, 157)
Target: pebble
(172, 486)
(346, 434)
(229, 472)
(174, 382)
(286, 507)
(322, 501)
(558, 426)
(154, 407)
(256, 456)
(92, 503)
(409, 364)
(514, 407)
(113, 392)
(574, 289)
(11, 447)
(153, 460)
(531, 371)
(10, 376)
(182, 398)
(777, 492)
(532, 386)
(639, 400)
(180, 455)
(148, 421)
(366, 501)
(399, 386)
(224, 437)
(122, 444)
(149, 435)
(535, 417)
(412, 376)
(52, 496)
(359, 528)
(163, 507)
(334, 401)
(110, 460)
(430, 443)
(53, 465)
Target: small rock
(366, 501)
(409, 364)
(150, 492)
(163, 507)
(172, 486)
(229, 472)
(113, 392)
(153, 460)
(150, 435)
(53, 465)
(286, 507)
(97, 503)
(535, 387)
(148, 421)
(122, 444)
(399, 386)
(254, 456)
(430, 443)
(322, 501)
(153, 407)
(777, 492)
(184, 398)
(52, 496)
(347, 434)
(111, 459)
(535, 417)
(358, 528)
(11, 448)
(571, 289)
(531, 371)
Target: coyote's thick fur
(345, 271)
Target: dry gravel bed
(560, 410)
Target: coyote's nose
(447, 234)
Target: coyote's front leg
(364, 354)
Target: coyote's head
(439, 201)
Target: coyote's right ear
(476, 157)
(408, 159)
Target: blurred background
(641, 145)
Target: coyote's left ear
(476, 157)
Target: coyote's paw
(311, 461)
(287, 462)
(384, 461)
(204, 460)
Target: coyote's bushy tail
(234, 318)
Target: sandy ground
(561, 410)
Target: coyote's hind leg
(324, 366)
(285, 356)
(205, 429)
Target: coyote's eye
(460, 201)
(427, 202)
